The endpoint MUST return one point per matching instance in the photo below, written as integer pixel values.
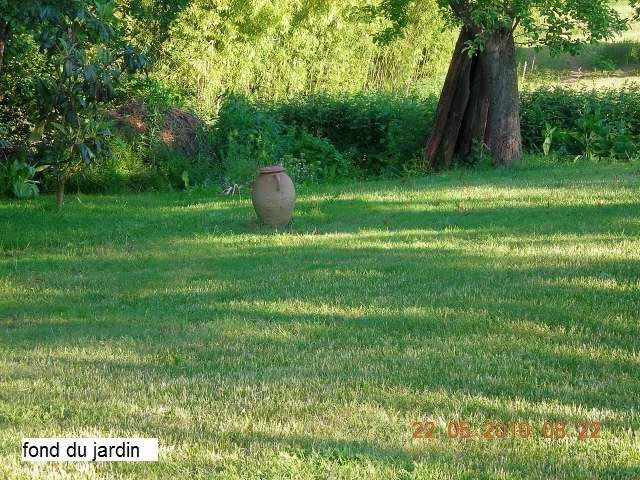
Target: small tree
(479, 103)
(85, 61)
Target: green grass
(486, 295)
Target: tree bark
(477, 114)
(451, 106)
(479, 104)
(503, 130)
(60, 193)
(4, 37)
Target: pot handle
(277, 178)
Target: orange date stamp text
(497, 430)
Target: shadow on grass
(405, 305)
(497, 327)
(146, 227)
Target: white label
(89, 449)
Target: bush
(592, 137)
(564, 109)
(121, 169)
(158, 144)
(379, 132)
(313, 160)
(18, 98)
(247, 138)
(324, 139)
(250, 136)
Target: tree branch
(516, 23)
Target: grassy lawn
(474, 296)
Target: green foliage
(604, 64)
(562, 25)
(23, 62)
(314, 160)
(325, 138)
(379, 132)
(250, 136)
(586, 123)
(148, 22)
(82, 72)
(321, 138)
(176, 170)
(592, 137)
(286, 48)
(305, 84)
(247, 138)
(157, 96)
(17, 178)
(124, 169)
(480, 156)
(159, 154)
(595, 137)
(69, 59)
(548, 134)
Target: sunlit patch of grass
(308, 352)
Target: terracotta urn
(274, 196)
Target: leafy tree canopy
(562, 25)
(83, 59)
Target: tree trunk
(5, 30)
(60, 193)
(477, 114)
(503, 130)
(4, 37)
(451, 107)
(479, 104)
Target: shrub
(158, 143)
(562, 108)
(247, 138)
(18, 98)
(380, 132)
(121, 169)
(250, 136)
(324, 139)
(312, 160)
(591, 137)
